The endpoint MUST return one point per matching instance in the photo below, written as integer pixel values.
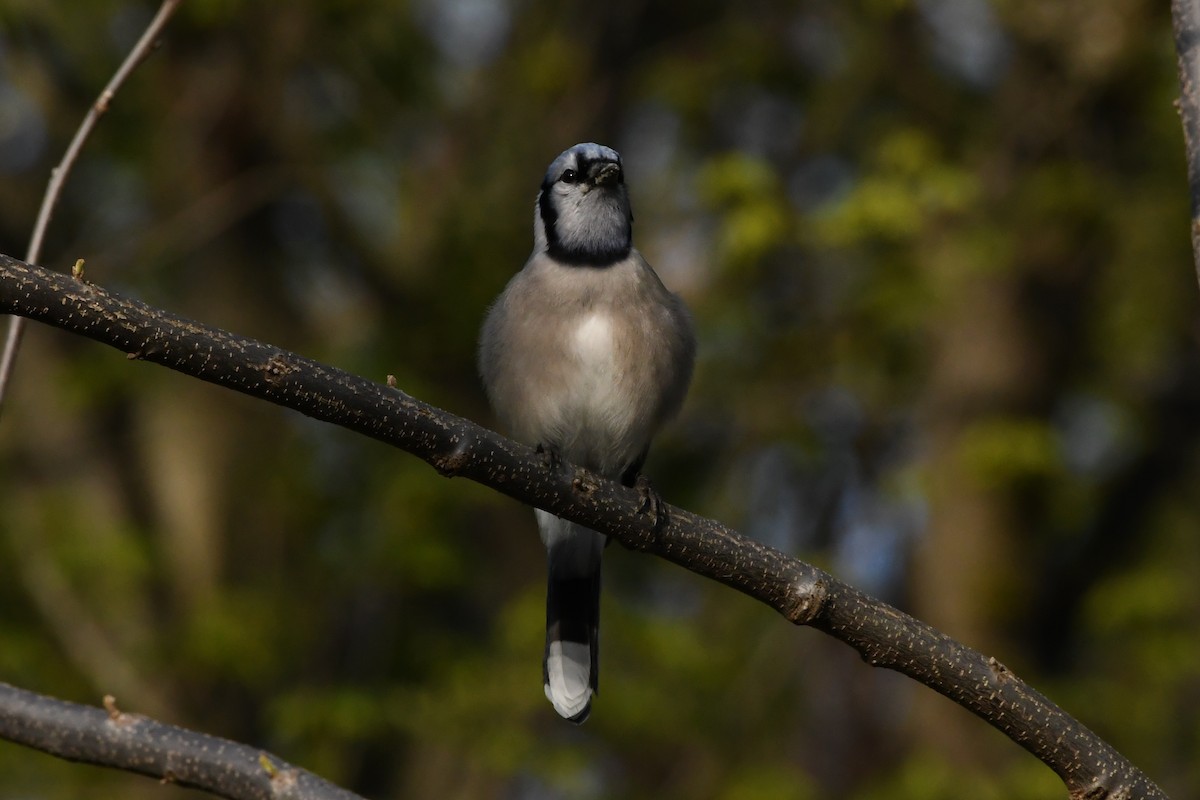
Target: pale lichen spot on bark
(450, 464)
(805, 599)
(277, 368)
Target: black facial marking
(583, 169)
(549, 215)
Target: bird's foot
(550, 456)
(651, 502)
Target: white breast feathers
(599, 411)
(593, 344)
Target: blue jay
(585, 354)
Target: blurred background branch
(1185, 15)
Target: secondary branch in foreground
(884, 636)
(112, 738)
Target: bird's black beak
(606, 174)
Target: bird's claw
(550, 456)
(652, 503)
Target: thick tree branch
(884, 636)
(109, 737)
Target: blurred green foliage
(937, 253)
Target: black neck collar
(575, 256)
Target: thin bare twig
(58, 176)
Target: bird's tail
(571, 666)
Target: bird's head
(583, 216)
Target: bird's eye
(570, 176)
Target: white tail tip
(569, 680)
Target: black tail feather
(573, 618)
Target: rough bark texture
(805, 595)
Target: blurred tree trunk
(966, 568)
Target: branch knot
(805, 600)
